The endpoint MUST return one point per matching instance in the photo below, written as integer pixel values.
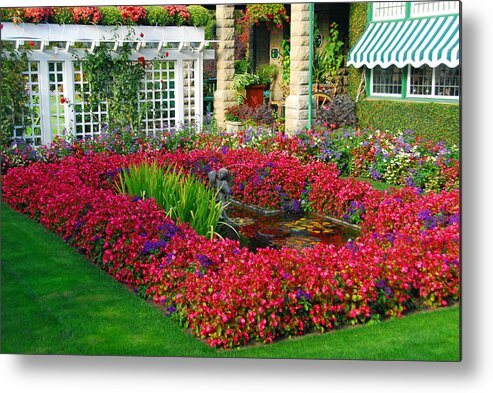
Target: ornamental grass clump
(182, 196)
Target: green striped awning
(432, 41)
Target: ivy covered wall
(357, 25)
(430, 120)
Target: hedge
(433, 121)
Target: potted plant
(250, 87)
(328, 60)
(233, 119)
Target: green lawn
(54, 301)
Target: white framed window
(387, 10)
(432, 8)
(386, 81)
(441, 82)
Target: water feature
(279, 230)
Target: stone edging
(256, 209)
(340, 222)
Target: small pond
(279, 230)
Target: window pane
(426, 8)
(447, 81)
(387, 81)
(389, 10)
(421, 81)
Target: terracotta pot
(255, 95)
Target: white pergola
(172, 88)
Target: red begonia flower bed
(406, 258)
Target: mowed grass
(54, 301)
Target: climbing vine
(14, 95)
(116, 79)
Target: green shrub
(199, 16)
(62, 15)
(430, 120)
(181, 195)
(210, 28)
(341, 112)
(157, 15)
(110, 16)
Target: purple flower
(351, 246)
(170, 310)
(424, 214)
(302, 295)
(388, 291)
(78, 224)
(380, 284)
(169, 229)
(205, 261)
(150, 246)
(375, 174)
(454, 219)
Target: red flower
(166, 54)
(63, 100)
(141, 35)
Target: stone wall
(297, 102)
(224, 97)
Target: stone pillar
(297, 101)
(224, 97)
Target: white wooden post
(199, 91)
(70, 94)
(44, 103)
(179, 93)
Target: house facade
(408, 60)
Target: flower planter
(233, 127)
(255, 95)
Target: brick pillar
(225, 55)
(297, 101)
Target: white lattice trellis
(171, 92)
(88, 121)
(158, 97)
(31, 129)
